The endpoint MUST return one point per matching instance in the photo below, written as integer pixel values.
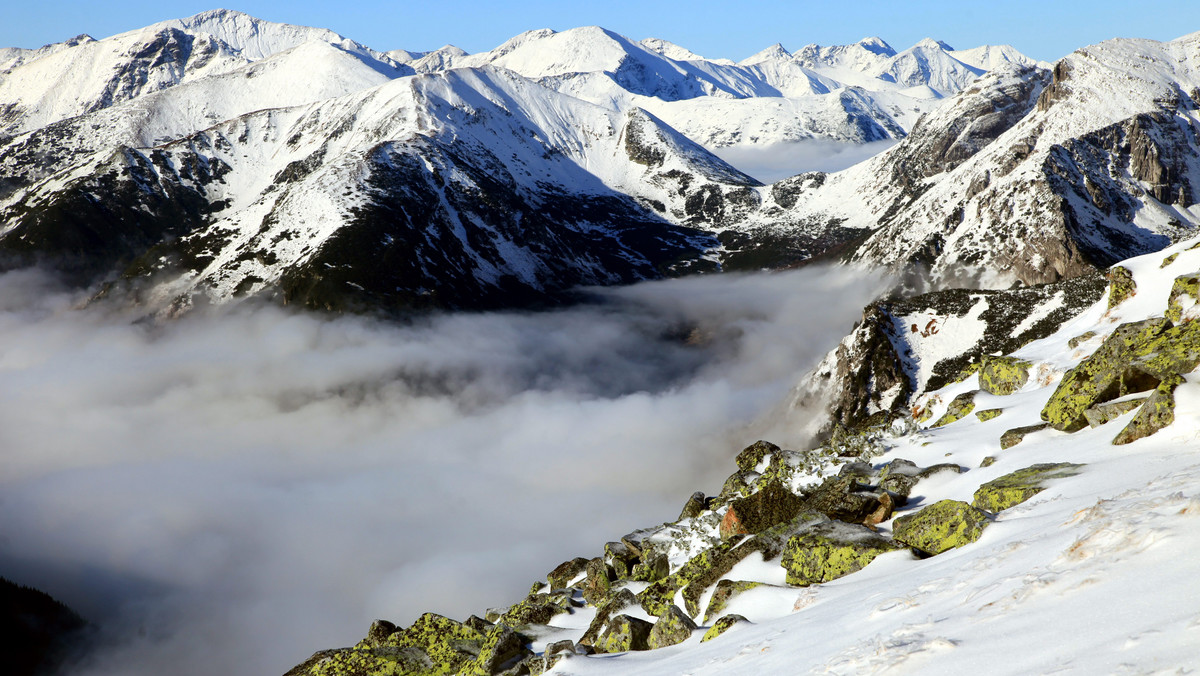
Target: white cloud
(782, 160)
(237, 489)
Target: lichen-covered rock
(941, 526)
(1156, 413)
(672, 627)
(1168, 260)
(621, 558)
(1185, 293)
(598, 582)
(831, 550)
(770, 506)
(1003, 375)
(694, 507)
(1120, 285)
(987, 462)
(988, 414)
(958, 407)
(535, 609)
(752, 455)
(1133, 359)
(1016, 435)
(503, 648)
(725, 591)
(433, 645)
(618, 601)
(723, 626)
(653, 567)
(1017, 487)
(738, 484)
(562, 575)
(731, 525)
(624, 633)
(1103, 413)
(843, 498)
(365, 661)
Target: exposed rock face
(831, 550)
(944, 525)
(1017, 487)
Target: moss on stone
(944, 525)
(672, 628)
(988, 414)
(624, 633)
(722, 625)
(1003, 375)
(1185, 293)
(831, 550)
(1156, 413)
(957, 408)
(1016, 435)
(1017, 487)
(725, 591)
(1120, 285)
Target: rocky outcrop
(1016, 487)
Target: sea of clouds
(233, 490)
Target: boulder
(1103, 413)
(535, 609)
(598, 582)
(619, 601)
(958, 407)
(726, 590)
(1136, 357)
(731, 525)
(941, 526)
(694, 507)
(1185, 294)
(1156, 413)
(653, 567)
(1017, 487)
(1120, 285)
(738, 484)
(621, 558)
(772, 505)
(502, 649)
(1003, 375)
(1016, 435)
(831, 550)
(722, 626)
(673, 627)
(844, 499)
(624, 633)
(988, 414)
(753, 455)
(567, 571)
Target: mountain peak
(930, 43)
(876, 45)
(772, 53)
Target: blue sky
(1044, 29)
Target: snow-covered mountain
(220, 155)
(1028, 176)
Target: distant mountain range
(219, 156)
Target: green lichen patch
(1103, 413)
(723, 625)
(958, 407)
(1185, 293)
(831, 550)
(672, 628)
(432, 646)
(1003, 375)
(988, 414)
(360, 661)
(1168, 260)
(944, 525)
(724, 592)
(1016, 435)
(624, 633)
(752, 455)
(1017, 487)
(1157, 413)
(1120, 285)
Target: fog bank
(237, 489)
(782, 160)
